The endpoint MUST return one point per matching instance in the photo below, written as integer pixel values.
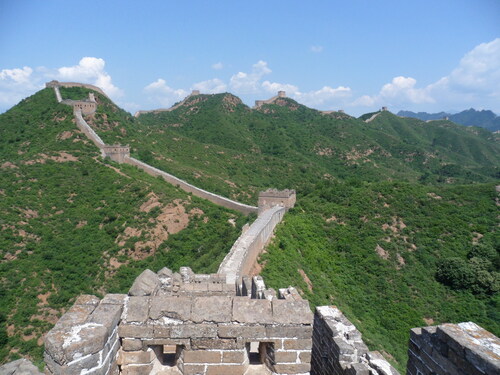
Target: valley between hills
(395, 223)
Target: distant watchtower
(281, 94)
(116, 153)
(273, 197)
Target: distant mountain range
(470, 117)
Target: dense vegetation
(395, 216)
(70, 224)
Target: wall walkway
(240, 259)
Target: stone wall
(75, 84)
(260, 103)
(245, 251)
(273, 197)
(85, 339)
(217, 199)
(458, 349)
(193, 93)
(339, 349)
(86, 129)
(117, 153)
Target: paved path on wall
(249, 245)
(373, 117)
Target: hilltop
(383, 206)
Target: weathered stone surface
(292, 312)
(145, 284)
(291, 368)
(170, 307)
(20, 367)
(236, 330)
(215, 343)
(137, 309)
(297, 344)
(87, 299)
(108, 315)
(114, 299)
(193, 331)
(202, 356)
(165, 272)
(136, 370)
(247, 310)
(226, 369)
(189, 369)
(77, 314)
(131, 344)
(135, 331)
(161, 331)
(211, 309)
(281, 356)
(139, 357)
(234, 356)
(300, 332)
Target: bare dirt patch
(401, 261)
(64, 135)
(9, 165)
(81, 224)
(429, 321)
(382, 252)
(61, 158)
(434, 196)
(306, 279)
(476, 237)
(396, 226)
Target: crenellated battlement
(117, 153)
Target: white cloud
(249, 83)
(316, 49)
(218, 66)
(160, 93)
(16, 84)
(475, 82)
(90, 70)
(274, 87)
(211, 86)
(326, 96)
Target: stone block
(165, 272)
(189, 369)
(136, 370)
(289, 357)
(139, 357)
(77, 314)
(300, 332)
(234, 356)
(114, 299)
(235, 330)
(145, 284)
(292, 312)
(137, 309)
(161, 331)
(131, 344)
(305, 357)
(291, 368)
(212, 287)
(143, 331)
(226, 369)
(66, 345)
(215, 343)
(108, 315)
(170, 307)
(186, 343)
(211, 309)
(87, 299)
(247, 310)
(201, 356)
(297, 344)
(193, 331)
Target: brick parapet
(339, 349)
(463, 348)
(85, 339)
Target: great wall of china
(229, 323)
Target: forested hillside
(72, 223)
(395, 222)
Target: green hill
(72, 223)
(395, 221)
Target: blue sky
(356, 55)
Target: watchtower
(116, 153)
(273, 197)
